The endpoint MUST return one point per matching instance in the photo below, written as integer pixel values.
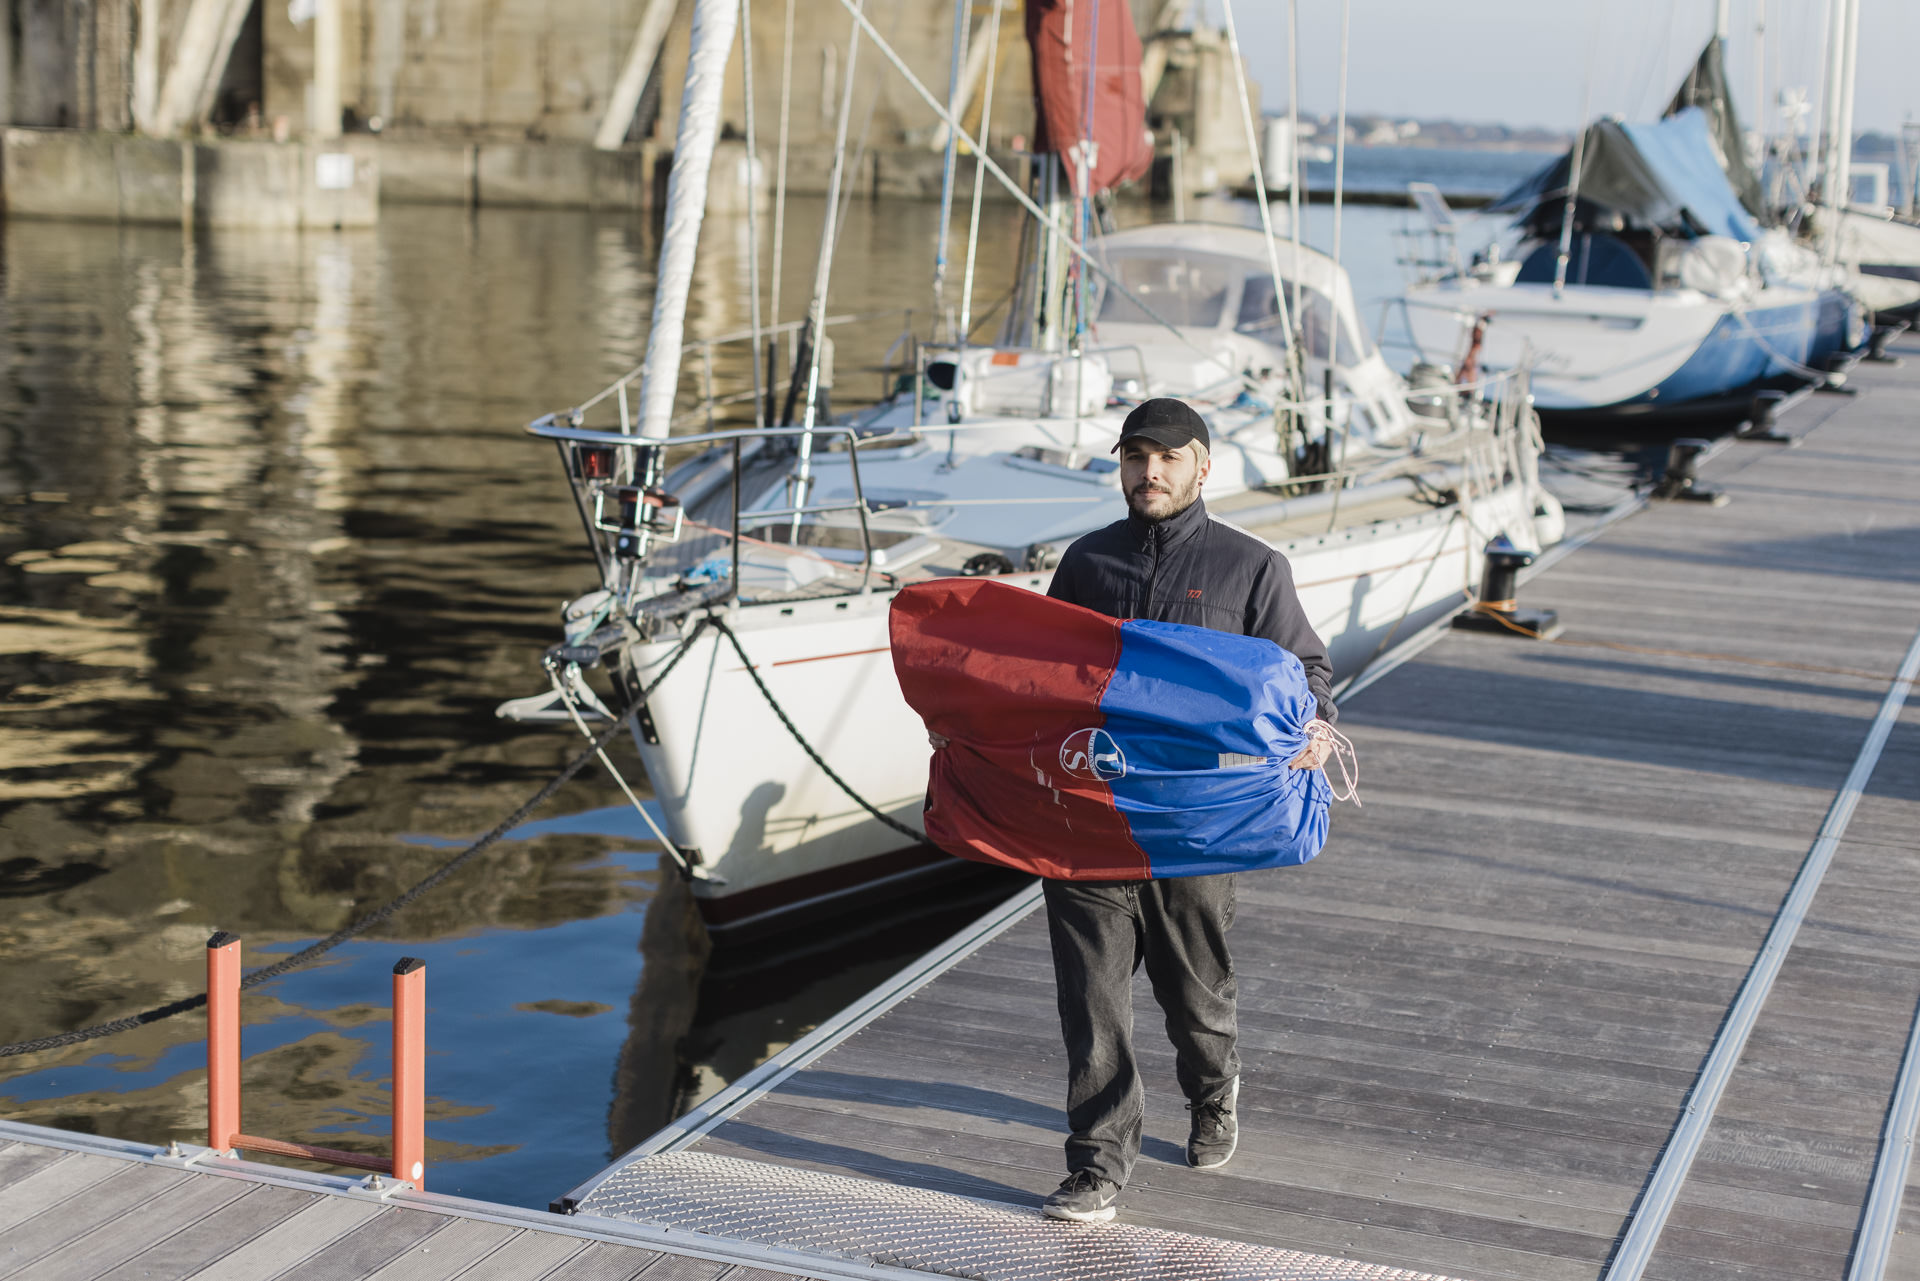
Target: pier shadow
(1576, 719)
(1890, 554)
(1847, 687)
(933, 1096)
(861, 1163)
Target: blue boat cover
(1648, 173)
(1083, 747)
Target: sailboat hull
(779, 843)
(1621, 357)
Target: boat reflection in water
(269, 540)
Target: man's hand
(1314, 754)
(938, 740)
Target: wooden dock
(74, 1208)
(1613, 976)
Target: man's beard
(1182, 499)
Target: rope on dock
(805, 746)
(373, 918)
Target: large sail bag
(1086, 748)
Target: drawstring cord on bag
(1340, 749)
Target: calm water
(272, 546)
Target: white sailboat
(749, 583)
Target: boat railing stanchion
(734, 593)
(1679, 483)
(860, 507)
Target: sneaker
(1084, 1198)
(1216, 1131)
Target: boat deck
(1613, 975)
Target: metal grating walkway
(935, 1231)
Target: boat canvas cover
(1059, 35)
(1650, 174)
(1706, 88)
(1087, 748)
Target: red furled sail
(1062, 35)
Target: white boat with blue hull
(1656, 297)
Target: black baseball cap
(1164, 421)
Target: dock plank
(198, 1245)
(20, 1160)
(305, 1232)
(367, 1247)
(49, 1185)
(125, 1188)
(605, 1261)
(530, 1254)
(448, 1253)
(121, 1235)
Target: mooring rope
(373, 918)
(805, 746)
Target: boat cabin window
(1179, 290)
(1259, 318)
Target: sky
(1534, 62)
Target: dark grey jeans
(1102, 932)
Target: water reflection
(273, 546)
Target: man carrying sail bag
(1168, 561)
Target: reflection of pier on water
(272, 545)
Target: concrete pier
(66, 173)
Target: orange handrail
(408, 1162)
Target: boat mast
(1830, 103)
(1843, 184)
(711, 42)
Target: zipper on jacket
(1154, 541)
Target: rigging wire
(753, 224)
(815, 332)
(1296, 170)
(1579, 154)
(1085, 164)
(965, 336)
(1025, 201)
(1296, 370)
(954, 65)
(780, 195)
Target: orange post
(410, 1070)
(223, 1040)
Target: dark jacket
(1192, 569)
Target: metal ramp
(935, 1232)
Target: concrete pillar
(146, 66)
(199, 58)
(328, 66)
(633, 76)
